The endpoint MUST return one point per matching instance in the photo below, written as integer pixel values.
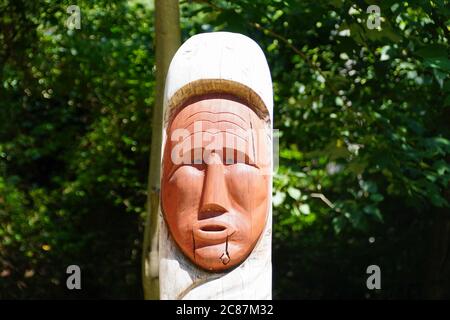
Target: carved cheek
(248, 188)
(182, 197)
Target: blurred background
(364, 116)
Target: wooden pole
(216, 217)
(167, 30)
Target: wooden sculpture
(216, 181)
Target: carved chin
(220, 257)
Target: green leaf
(440, 77)
(374, 212)
(368, 186)
(304, 208)
(278, 198)
(376, 197)
(437, 200)
(442, 63)
(294, 193)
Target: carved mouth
(215, 234)
(211, 231)
(213, 228)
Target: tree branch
(275, 35)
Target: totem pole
(216, 177)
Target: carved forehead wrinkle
(214, 113)
(208, 135)
(217, 116)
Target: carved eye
(199, 166)
(198, 163)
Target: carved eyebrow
(220, 112)
(216, 122)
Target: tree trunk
(167, 29)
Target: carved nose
(215, 194)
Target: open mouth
(213, 228)
(211, 232)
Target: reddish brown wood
(215, 202)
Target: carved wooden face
(215, 181)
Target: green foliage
(364, 143)
(364, 120)
(74, 141)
